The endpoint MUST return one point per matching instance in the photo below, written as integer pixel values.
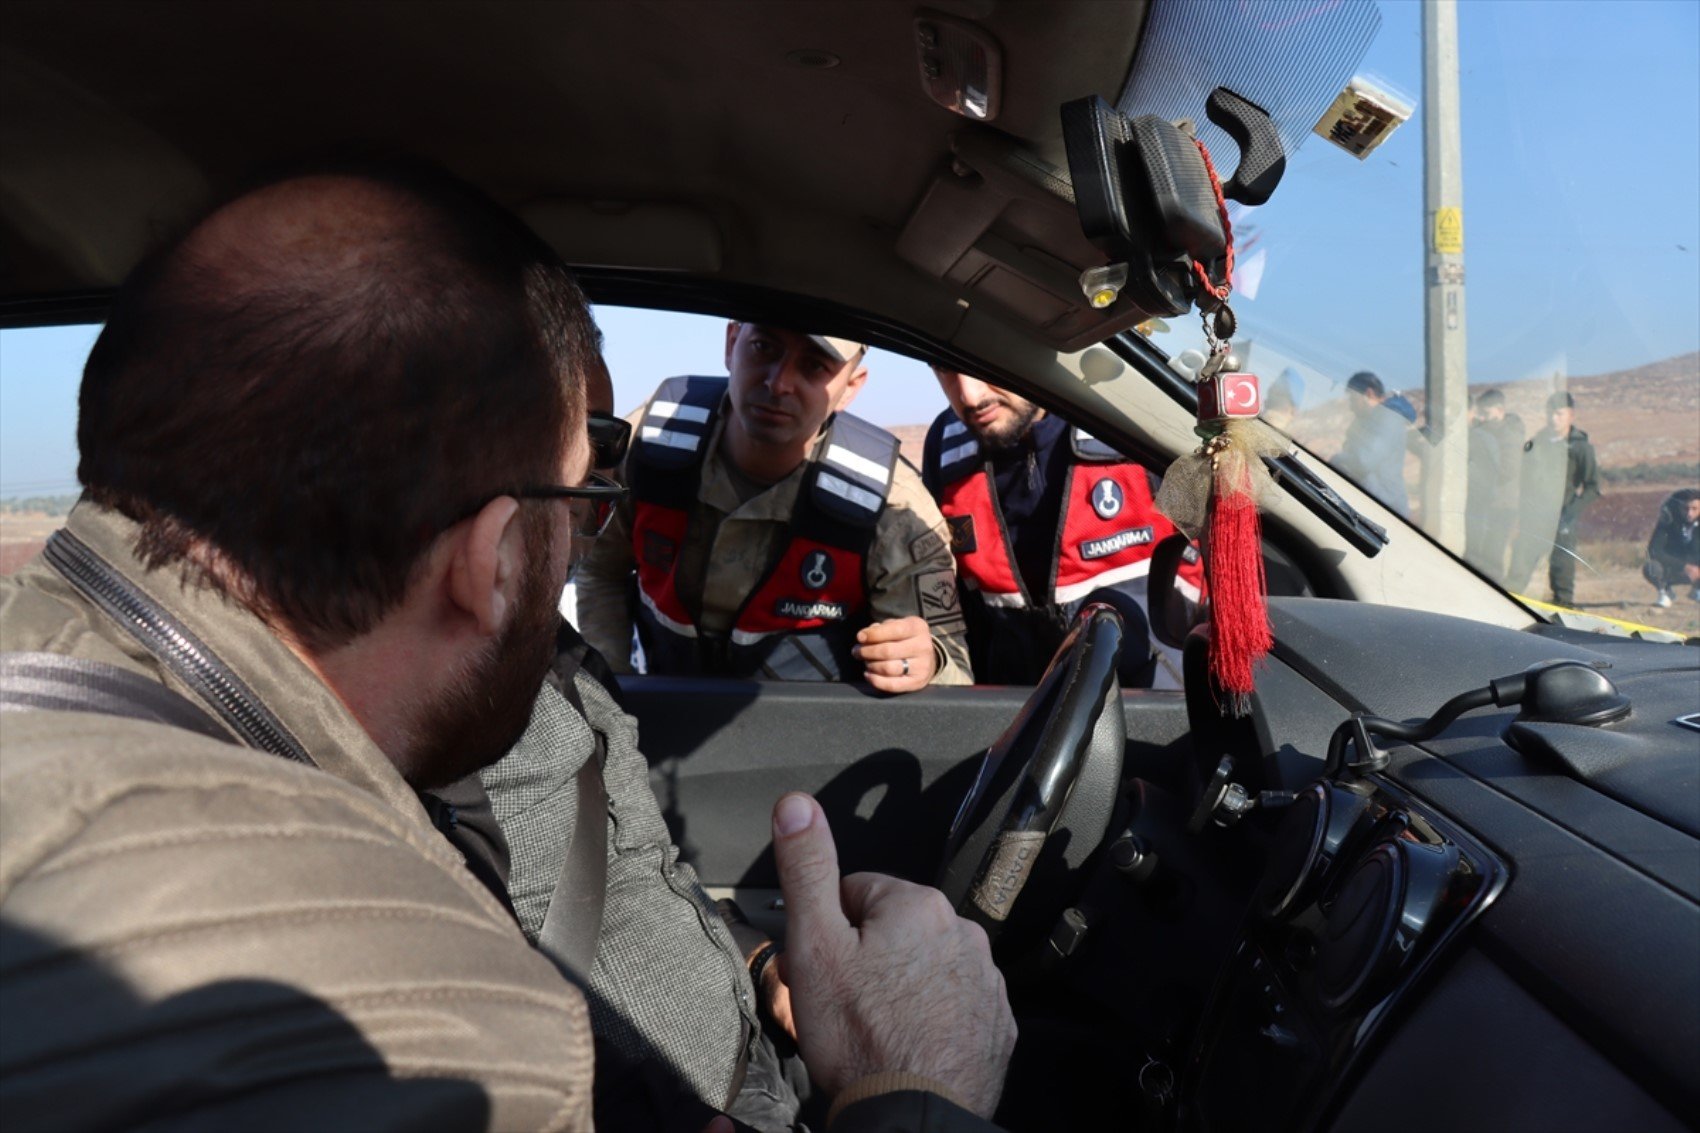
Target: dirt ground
(21, 536)
(1609, 583)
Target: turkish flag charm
(1229, 395)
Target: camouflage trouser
(1560, 547)
(1561, 567)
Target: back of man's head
(1368, 384)
(1490, 399)
(314, 382)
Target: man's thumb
(808, 865)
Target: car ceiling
(656, 135)
(671, 137)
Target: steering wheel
(1046, 789)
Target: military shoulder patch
(935, 596)
(925, 546)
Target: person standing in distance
(1373, 451)
(1496, 460)
(1561, 477)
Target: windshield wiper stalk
(1303, 484)
(1326, 504)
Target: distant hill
(39, 505)
(914, 438)
(1649, 415)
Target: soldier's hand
(897, 654)
(884, 976)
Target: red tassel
(1239, 614)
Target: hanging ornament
(1213, 493)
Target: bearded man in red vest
(771, 535)
(1044, 518)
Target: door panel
(889, 771)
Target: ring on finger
(906, 666)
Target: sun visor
(62, 226)
(999, 227)
(653, 235)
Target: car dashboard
(1496, 927)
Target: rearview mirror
(1145, 197)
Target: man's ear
(732, 330)
(485, 565)
(857, 380)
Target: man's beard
(483, 713)
(1007, 433)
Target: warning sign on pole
(1449, 231)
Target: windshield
(1552, 449)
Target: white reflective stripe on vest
(679, 628)
(668, 410)
(750, 637)
(1078, 590)
(960, 452)
(953, 428)
(838, 454)
(845, 490)
(655, 434)
(1004, 601)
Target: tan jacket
(910, 568)
(226, 939)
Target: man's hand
(1692, 571)
(883, 975)
(897, 654)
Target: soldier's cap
(840, 349)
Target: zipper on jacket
(171, 642)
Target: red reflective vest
(800, 618)
(1107, 528)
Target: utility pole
(1445, 380)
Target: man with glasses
(770, 534)
(334, 452)
(658, 928)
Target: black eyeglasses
(599, 496)
(609, 438)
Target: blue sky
(1581, 136)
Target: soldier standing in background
(1496, 461)
(1560, 478)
